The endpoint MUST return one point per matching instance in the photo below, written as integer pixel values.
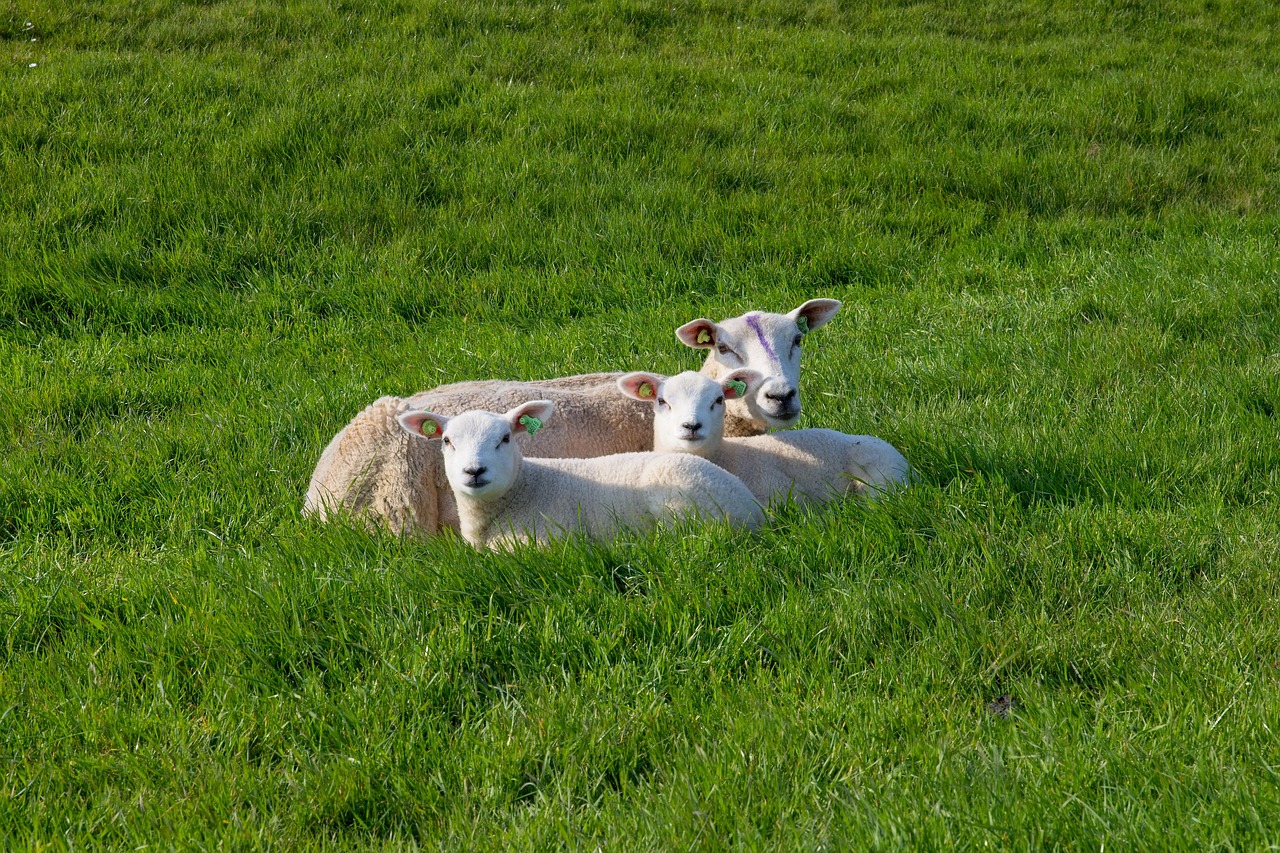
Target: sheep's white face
(767, 343)
(479, 455)
(689, 408)
(481, 459)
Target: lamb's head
(688, 408)
(768, 343)
(480, 459)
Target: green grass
(225, 227)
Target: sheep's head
(768, 343)
(688, 409)
(480, 458)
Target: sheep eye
(724, 350)
(448, 443)
(796, 342)
(719, 402)
(506, 439)
(661, 402)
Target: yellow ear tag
(703, 337)
(429, 428)
(531, 424)
(645, 390)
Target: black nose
(782, 398)
(692, 427)
(474, 472)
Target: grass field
(227, 226)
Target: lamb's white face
(479, 455)
(769, 344)
(689, 408)
(481, 459)
(688, 416)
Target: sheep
(371, 470)
(812, 466)
(504, 498)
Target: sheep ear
(530, 417)
(699, 334)
(740, 383)
(815, 313)
(640, 386)
(424, 424)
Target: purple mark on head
(753, 320)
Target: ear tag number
(645, 390)
(703, 336)
(739, 387)
(803, 323)
(429, 428)
(531, 424)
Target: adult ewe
(808, 465)
(503, 498)
(371, 470)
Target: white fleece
(808, 465)
(503, 498)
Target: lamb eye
(719, 401)
(796, 342)
(448, 443)
(662, 402)
(506, 439)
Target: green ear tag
(803, 323)
(429, 428)
(531, 423)
(703, 337)
(739, 387)
(645, 390)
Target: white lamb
(375, 471)
(372, 470)
(503, 498)
(809, 465)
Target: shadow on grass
(1031, 481)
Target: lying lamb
(503, 498)
(810, 465)
(372, 470)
